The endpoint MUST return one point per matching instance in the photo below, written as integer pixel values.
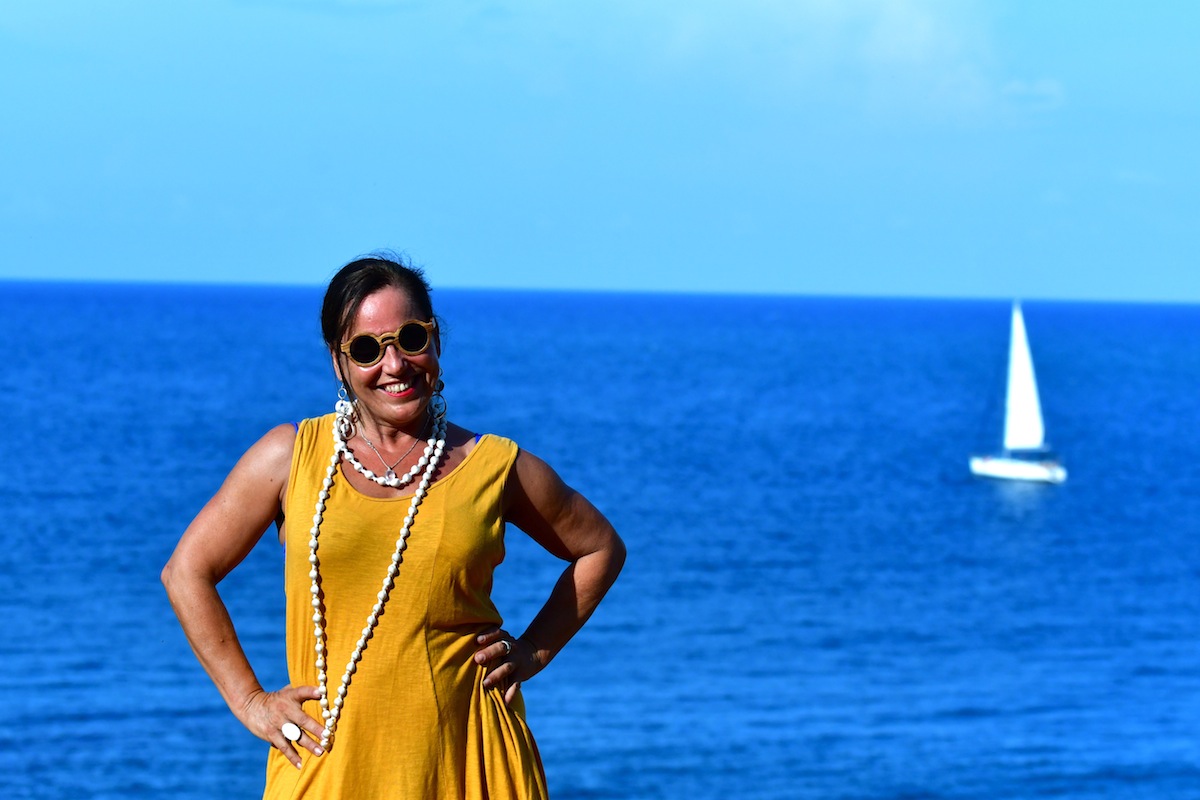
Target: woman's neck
(393, 436)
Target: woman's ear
(337, 368)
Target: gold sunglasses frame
(393, 337)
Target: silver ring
(290, 731)
(507, 646)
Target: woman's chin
(401, 409)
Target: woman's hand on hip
(266, 713)
(509, 661)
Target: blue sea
(820, 601)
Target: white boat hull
(1016, 469)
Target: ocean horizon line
(118, 283)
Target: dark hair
(362, 277)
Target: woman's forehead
(385, 309)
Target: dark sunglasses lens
(364, 350)
(413, 338)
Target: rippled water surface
(820, 601)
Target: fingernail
(319, 751)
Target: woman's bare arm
(217, 540)
(567, 525)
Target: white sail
(1023, 428)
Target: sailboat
(1026, 457)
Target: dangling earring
(437, 403)
(344, 422)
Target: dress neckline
(408, 495)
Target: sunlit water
(820, 601)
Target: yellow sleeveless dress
(417, 722)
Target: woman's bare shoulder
(272, 454)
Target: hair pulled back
(363, 277)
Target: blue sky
(864, 147)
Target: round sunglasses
(412, 338)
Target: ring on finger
(507, 646)
(290, 731)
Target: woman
(403, 684)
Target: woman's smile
(398, 389)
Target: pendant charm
(390, 475)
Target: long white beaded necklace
(342, 430)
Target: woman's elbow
(167, 576)
(173, 575)
(616, 558)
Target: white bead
(326, 714)
(320, 647)
(401, 546)
(328, 482)
(316, 519)
(316, 602)
(312, 573)
(312, 543)
(383, 596)
(312, 558)
(369, 474)
(320, 663)
(337, 702)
